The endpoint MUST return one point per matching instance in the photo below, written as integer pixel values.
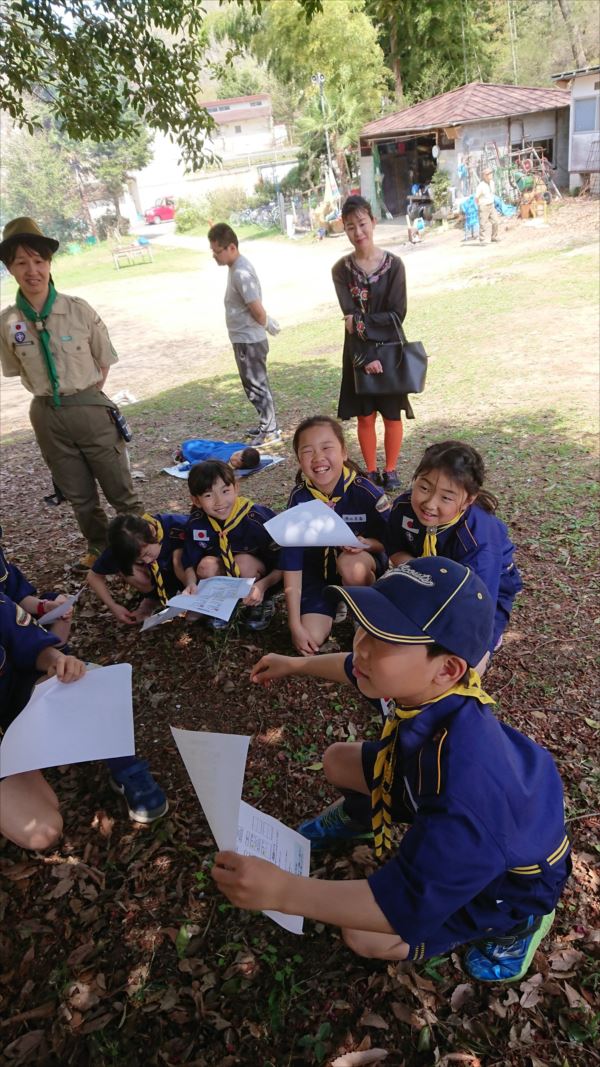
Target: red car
(163, 211)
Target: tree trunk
(396, 60)
(574, 34)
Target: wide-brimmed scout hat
(24, 229)
(429, 600)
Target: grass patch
(95, 264)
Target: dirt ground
(116, 949)
(172, 329)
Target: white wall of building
(581, 141)
(367, 179)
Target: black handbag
(404, 366)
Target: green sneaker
(508, 958)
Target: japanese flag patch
(18, 332)
(408, 523)
(202, 536)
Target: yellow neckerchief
(154, 568)
(349, 476)
(238, 512)
(431, 532)
(383, 774)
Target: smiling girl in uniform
(327, 474)
(447, 512)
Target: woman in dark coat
(370, 283)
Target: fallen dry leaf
(461, 995)
(360, 1059)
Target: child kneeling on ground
(485, 858)
(146, 552)
(29, 807)
(226, 535)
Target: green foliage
(543, 21)
(109, 164)
(217, 206)
(339, 42)
(190, 214)
(436, 46)
(40, 181)
(440, 184)
(96, 64)
(225, 202)
(243, 79)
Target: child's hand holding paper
(249, 882)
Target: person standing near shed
(60, 348)
(371, 289)
(247, 326)
(485, 195)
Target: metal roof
(575, 73)
(469, 103)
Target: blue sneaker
(144, 798)
(259, 617)
(215, 623)
(332, 826)
(507, 959)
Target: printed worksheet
(60, 609)
(311, 525)
(215, 596)
(263, 836)
(216, 764)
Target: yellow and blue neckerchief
(154, 568)
(431, 534)
(348, 476)
(240, 509)
(383, 774)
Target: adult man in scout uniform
(61, 350)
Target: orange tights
(393, 431)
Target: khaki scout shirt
(79, 342)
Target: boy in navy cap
(485, 857)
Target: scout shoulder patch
(22, 617)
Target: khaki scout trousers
(81, 445)
(488, 216)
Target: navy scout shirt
(487, 844)
(13, 582)
(173, 525)
(21, 641)
(363, 506)
(479, 540)
(249, 536)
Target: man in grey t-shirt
(247, 323)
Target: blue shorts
(313, 601)
(459, 928)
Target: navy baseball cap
(431, 600)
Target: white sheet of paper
(215, 596)
(216, 765)
(311, 525)
(159, 617)
(90, 719)
(61, 609)
(263, 836)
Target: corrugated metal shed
(470, 103)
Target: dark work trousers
(251, 362)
